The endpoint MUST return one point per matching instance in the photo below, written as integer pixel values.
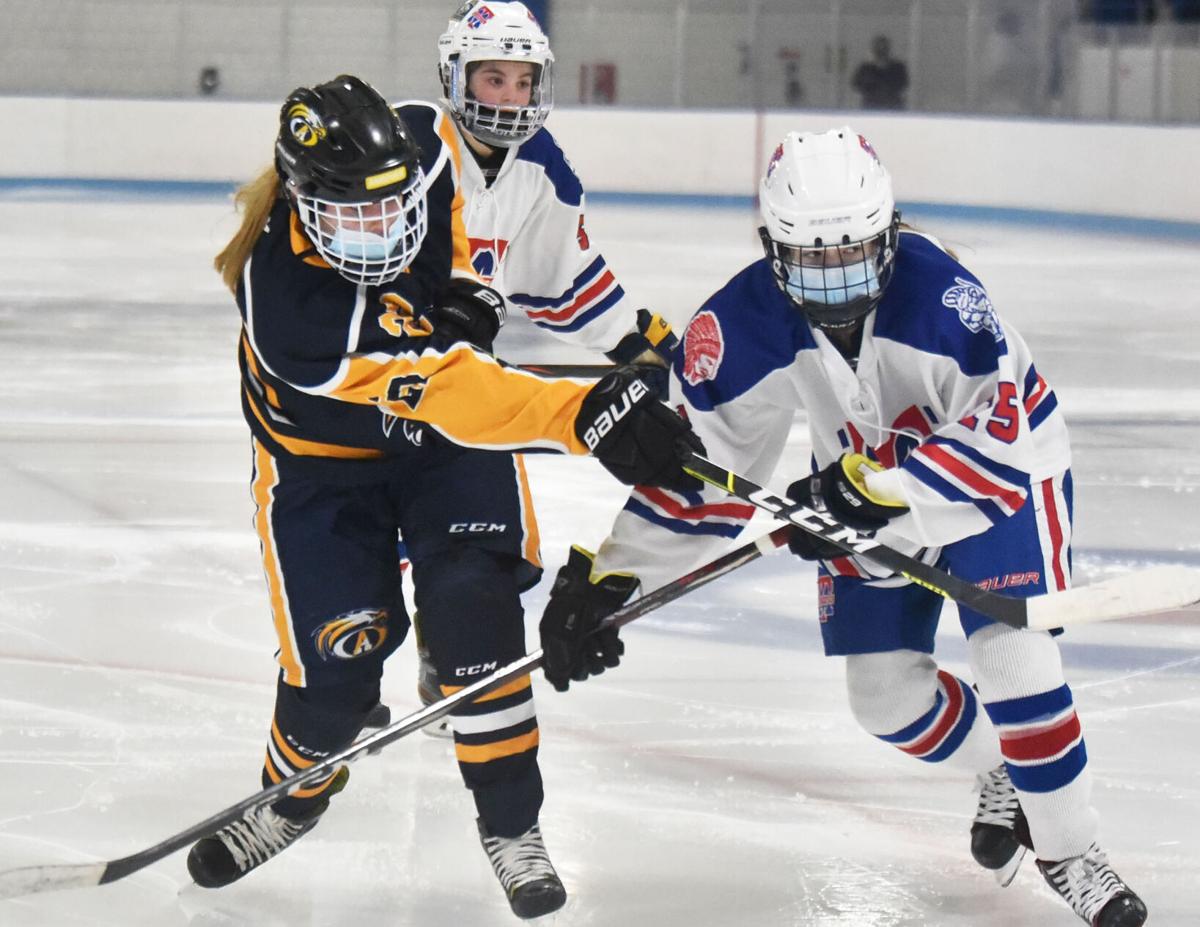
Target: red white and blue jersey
(528, 240)
(943, 394)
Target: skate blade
(439, 728)
(1006, 873)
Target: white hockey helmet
(496, 31)
(829, 224)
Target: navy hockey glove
(468, 311)
(638, 440)
(841, 492)
(651, 346)
(572, 648)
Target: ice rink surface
(716, 778)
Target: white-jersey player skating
(524, 206)
(929, 425)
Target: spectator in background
(793, 90)
(881, 80)
(209, 81)
(1008, 56)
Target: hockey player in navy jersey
(375, 406)
(931, 426)
(524, 216)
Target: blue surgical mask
(365, 246)
(832, 286)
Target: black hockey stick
(32, 879)
(1162, 588)
(579, 371)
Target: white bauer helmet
(496, 31)
(830, 224)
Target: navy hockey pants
(329, 553)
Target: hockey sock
(310, 724)
(905, 700)
(1020, 678)
(473, 623)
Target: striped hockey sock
(1044, 751)
(939, 732)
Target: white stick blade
(30, 880)
(1142, 592)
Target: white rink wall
(1101, 169)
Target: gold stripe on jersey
(469, 397)
(301, 246)
(460, 246)
(301, 447)
(304, 448)
(533, 540)
(483, 753)
(444, 127)
(262, 489)
(509, 688)
(252, 362)
(460, 253)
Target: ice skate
(237, 848)
(1088, 884)
(523, 867)
(379, 716)
(429, 691)
(1000, 833)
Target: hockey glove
(638, 440)
(572, 648)
(651, 346)
(468, 311)
(840, 491)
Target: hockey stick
(579, 371)
(1162, 588)
(29, 880)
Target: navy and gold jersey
(335, 373)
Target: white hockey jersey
(528, 240)
(943, 395)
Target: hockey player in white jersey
(524, 207)
(929, 425)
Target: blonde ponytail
(912, 228)
(254, 201)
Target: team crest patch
(481, 15)
(305, 125)
(703, 349)
(974, 309)
(486, 255)
(351, 635)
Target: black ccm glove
(840, 491)
(468, 311)
(572, 649)
(638, 440)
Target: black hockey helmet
(353, 171)
(342, 141)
